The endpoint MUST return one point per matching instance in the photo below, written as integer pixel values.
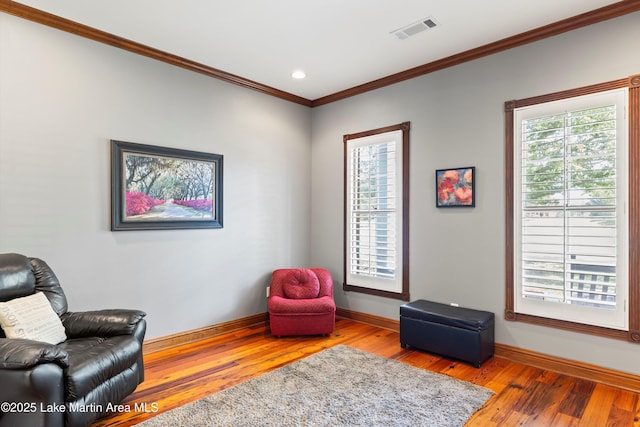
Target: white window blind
(570, 210)
(374, 220)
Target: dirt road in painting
(170, 210)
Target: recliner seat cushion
(94, 360)
(301, 283)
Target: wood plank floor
(525, 396)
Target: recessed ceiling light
(298, 74)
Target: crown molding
(53, 21)
(598, 15)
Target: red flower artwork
(455, 187)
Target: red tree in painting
(139, 203)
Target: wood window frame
(633, 114)
(404, 294)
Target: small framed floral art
(456, 187)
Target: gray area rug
(340, 386)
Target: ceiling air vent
(415, 28)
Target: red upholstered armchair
(301, 302)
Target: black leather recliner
(75, 382)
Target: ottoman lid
(459, 317)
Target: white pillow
(31, 318)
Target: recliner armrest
(101, 323)
(18, 353)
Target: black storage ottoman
(456, 332)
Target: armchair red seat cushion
(301, 302)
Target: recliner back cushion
(48, 284)
(301, 283)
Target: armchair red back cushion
(301, 283)
(283, 283)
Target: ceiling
(340, 44)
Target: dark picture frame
(159, 188)
(455, 187)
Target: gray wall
(457, 120)
(62, 98)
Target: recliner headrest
(21, 276)
(16, 277)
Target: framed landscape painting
(455, 187)
(164, 188)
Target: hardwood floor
(525, 396)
